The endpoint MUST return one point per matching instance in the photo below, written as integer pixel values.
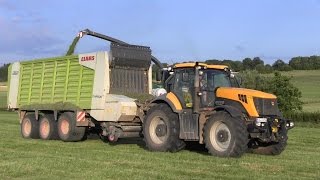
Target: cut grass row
(93, 159)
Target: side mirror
(158, 75)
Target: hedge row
(311, 117)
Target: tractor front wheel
(225, 136)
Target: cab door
(183, 86)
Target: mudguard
(170, 99)
(234, 112)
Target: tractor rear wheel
(48, 127)
(67, 129)
(161, 129)
(30, 126)
(225, 136)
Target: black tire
(225, 136)
(30, 127)
(67, 129)
(274, 148)
(48, 129)
(162, 119)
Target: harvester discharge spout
(113, 40)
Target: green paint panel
(55, 80)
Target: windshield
(211, 79)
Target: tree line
(4, 72)
(296, 63)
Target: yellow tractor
(204, 103)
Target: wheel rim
(158, 130)
(44, 128)
(64, 126)
(220, 136)
(26, 127)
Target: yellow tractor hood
(244, 96)
(230, 91)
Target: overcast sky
(175, 30)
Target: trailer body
(91, 82)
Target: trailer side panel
(54, 80)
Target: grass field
(309, 84)
(94, 159)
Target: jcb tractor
(68, 97)
(204, 103)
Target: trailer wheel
(67, 129)
(161, 129)
(30, 127)
(225, 136)
(274, 148)
(48, 129)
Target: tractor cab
(180, 80)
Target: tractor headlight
(260, 122)
(289, 124)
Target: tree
(260, 68)
(278, 64)
(268, 68)
(295, 63)
(233, 65)
(213, 61)
(281, 66)
(247, 64)
(314, 61)
(256, 61)
(237, 66)
(4, 72)
(305, 63)
(288, 95)
(251, 79)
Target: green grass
(94, 159)
(308, 83)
